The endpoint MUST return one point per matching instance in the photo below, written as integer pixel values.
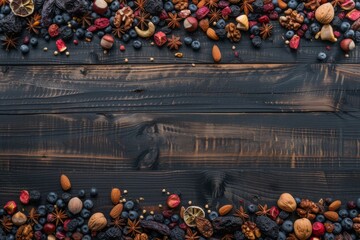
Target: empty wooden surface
(215, 133)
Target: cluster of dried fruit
(328, 20)
(71, 217)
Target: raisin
(228, 223)
(66, 33)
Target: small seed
(141, 199)
(233, 47)
(160, 206)
(193, 64)
(152, 212)
(126, 60)
(190, 202)
(168, 193)
(164, 190)
(151, 59)
(207, 206)
(125, 191)
(56, 53)
(144, 211)
(45, 49)
(141, 217)
(287, 42)
(67, 53)
(124, 200)
(209, 211)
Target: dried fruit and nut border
(68, 216)
(23, 22)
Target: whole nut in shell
(302, 228)
(75, 205)
(115, 195)
(97, 222)
(325, 13)
(116, 210)
(287, 202)
(19, 218)
(65, 182)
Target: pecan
(291, 20)
(124, 17)
(232, 32)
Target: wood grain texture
(179, 88)
(180, 141)
(273, 50)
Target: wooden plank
(273, 50)
(201, 187)
(180, 141)
(179, 88)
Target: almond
(115, 195)
(225, 209)
(212, 34)
(335, 205)
(216, 54)
(65, 182)
(332, 216)
(116, 210)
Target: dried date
(155, 226)
(227, 224)
(268, 227)
(47, 12)
(11, 24)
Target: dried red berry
(341, 15)
(163, 15)
(294, 42)
(183, 226)
(274, 212)
(60, 235)
(102, 23)
(60, 44)
(160, 38)
(202, 12)
(173, 201)
(223, 4)
(273, 15)
(268, 7)
(252, 23)
(353, 15)
(49, 228)
(53, 30)
(167, 213)
(318, 229)
(264, 19)
(172, 225)
(10, 207)
(92, 28)
(351, 204)
(24, 197)
(122, 48)
(310, 15)
(337, 34)
(76, 42)
(226, 11)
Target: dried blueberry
(336, 22)
(72, 225)
(10, 237)
(66, 17)
(357, 5)
(283, 215)
(93, 192)
(343, 213)
(175, 218)
(125, 37)
(168, 6)
(60, 203)
(300, 7)
(129, 205)
(177, 234)
(100, 34)
(321, 56)
(49, 208)
(155, 20)
(329, 236)
(85, 229)
(213, 215)
(42, 221)
(2, 212)
(159, 217)
(133, 215)
(88, 204)
(256, 41)
(132, 33)
(221, 23)
(258, 6)
(85, 213)
(41, 210)
(192, 7)
(353, 213)
(114, 6)
(337, 228)
(113, 233)
(292, 4)
(255, 30)
(125, 214)
(66, 33)
(80, 221)
(94, 15)
(289, 34)
(188, 40)
(86, 237)
(34, 42)
(320, 217)
(345, 26)
(221, 33)
(314, 28)
(34, 194)
(235, 11)
(287, 226)
(38, 227)
(59, 20)
(5, 9)
(52, 197)
(349, 34)
(108, 29)
(195, 45)
(81, 193)
(347, 224)
(252, 208)
(66, 197)
(149, 218)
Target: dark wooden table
(269, 121)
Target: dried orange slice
(22, 8)
(191, 213)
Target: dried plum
(227, 224)
(11, 24)
(268, 227)
(74, 7)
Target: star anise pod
(174, 21)
(9, 42)
(133, 227)
(241, 213)
(190, 235)
(118, 32)
(246, 6)
(263, 210)
(228, 237)
(34, 23)
(174, 42)
(3, 2)
(33, 216)
(143, 19)
(85, 20)
(215, 15)
(6, 224)
(140, 5)
(59, 215)
(266, 30)
(211, 3)
(117, 222)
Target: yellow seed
(190, 202)
(152, 212)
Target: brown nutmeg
(286, 202)
(97, 222)
(325, 13)
(190, 24)
(302, 228)
(75, 205)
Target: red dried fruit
(341, 15)
(76, 42)
(310, 15)
(264, 19)
(318, 229)
(202, 12)
(300, 32)
(252, 23)
(173, 201)
(65, 224)
(294, 42)
(60, 235)
(223, 4)
(184, 13)
(183, 226)
(122, 48)
(353, 15)
(160, 38)
(337, 34)
(60, 44)
(172, 225)
(226, 11)
(167, 213)
(49, 228)
(24, 197)
(92, 28)
(10, 207)
(274, 212)
(163, 15)
(268, 7)
(53, 30)
(273, 15)
(102, 23)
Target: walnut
(124, 17)
(250, 230)
(308, 209)
(291, 20)
(232, 33)
(141, 236)
(180, 4)
(25, 232)
(97, 222)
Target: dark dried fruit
(177, 234)
(11, 24)
(66, 33)
(113, 233)
(204, 227)
(73, 7)
(267, 227)
(47, 12)
(153, 7)
(227, 224)
(155, 226)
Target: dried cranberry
(223, 4)
(183, 226)
(160, 38)
(37, 235)
(167, 213)
(102, 23)
(173, 201)
(304, 27)
(92, 28)
(268, 7)
(351, 204)
(310, 15)
(300, 32)
(264, 19)
(122, 48)
(163, 15)
(60, 44)
(53, 30)
(294, 42)
(49, 228)
(24, 194)
(252, 23)
(318, 229)
(337, 34)
(226, 11)
(341, 15)
(273, 15)
(202, 12)
(172, 225)
(60, 235)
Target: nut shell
(75, 205)
(325, 13)
(216, 54)
(286, 202)
(115, 195)
(65, 182)
(116, 210)
(97, 222)
(302, 228)
(225, 209)
(190, 24)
